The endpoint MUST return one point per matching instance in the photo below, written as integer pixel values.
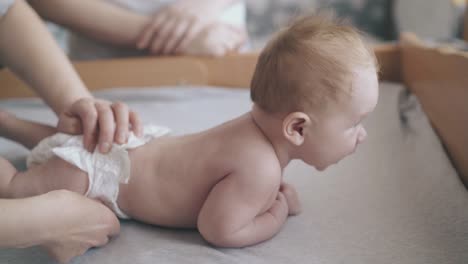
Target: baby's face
(340, 130)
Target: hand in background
(101, 122)
(216, 40)
(173, 27)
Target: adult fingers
(151, 30)
(190, 34)
(121, 114)
(86, 111)
(135, 121)
(106, 126)
(69, 124)
(160, 38)
(178, 33)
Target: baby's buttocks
(105, 171)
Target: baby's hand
(216, 39)
(292, 198)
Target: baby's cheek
(350, 145)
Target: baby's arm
(27, 133)
(232, 214)
(54, 174)
(290, 193)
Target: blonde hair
(308, 64)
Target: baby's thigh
(7, 172)
(54, 174)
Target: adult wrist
(64, 101)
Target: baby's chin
(321, 168)
(324, 167)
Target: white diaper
(105, 171)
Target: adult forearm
(96, 19)
(19, 225)
(29, 50)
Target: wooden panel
(229, 71)
(388, 56)
(140, 72)
(439, 78)
(135, 72)
(237, 70)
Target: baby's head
(319, 79)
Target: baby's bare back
(171, 177)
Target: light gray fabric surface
(4, 6)
(397, 200)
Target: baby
(313, 85)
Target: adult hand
(74, 224)
(217, 40)
(101, 122)
(173, 27)
(292, 198)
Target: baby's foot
(217, 40)
(75, 224)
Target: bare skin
(24, 50)
(183, 27)
(65, 223)
(179, 181)
(225, 181)
(77, 223)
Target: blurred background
(382, 20)
(438, 20)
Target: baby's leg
(52, 175)
(27, 133)
(7, 172)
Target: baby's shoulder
(258, 160)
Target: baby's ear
(294, 125)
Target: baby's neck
(270, 126)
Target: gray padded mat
(397, 200)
